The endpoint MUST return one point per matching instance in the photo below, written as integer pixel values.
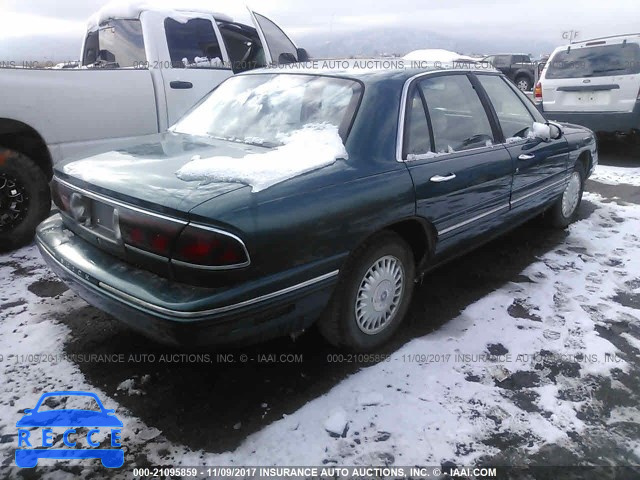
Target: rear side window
(416, 136)
(116, 44)
(513, 115)
(193, 44)
(597, 61)
(458, 118)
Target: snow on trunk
(313, 147)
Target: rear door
(540, 166)
(600, 76)
(198, 61)
(462, 180)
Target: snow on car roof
(133, 8)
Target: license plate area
(102, 219)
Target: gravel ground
(551, 411)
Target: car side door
(540, 165)
(197, 60)
(462, 180)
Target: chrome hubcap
(523, 85)
(571, 195)
(13, 203)
(379, 295)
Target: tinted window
(281, 48)
(116, 44)
(458, 118)
(263, 109)
(600, 61)
(502, 60)
(193, 44)
(514, 116)
(243, 46)
(416, 137)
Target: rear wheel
(372, 296)
(523, 83)
(24, 199)
(565, 210)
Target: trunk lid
(145, 174)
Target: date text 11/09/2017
(313, 472)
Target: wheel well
(585, 158)
(420, 235)
(20, 137)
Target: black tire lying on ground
(25, 199)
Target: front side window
(597, 61)
(193, 44)
(115, 44)
(264, 109)
(502, 61)
(513, 115)
(243, 46)
(416, 137)
(458, 119)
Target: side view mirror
(541, 131)
(303, 56)
(555, 131)
(286, 58)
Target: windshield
(600, 61)
(265, 109)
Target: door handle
(440, 178)
(526, 156)
(177, 85)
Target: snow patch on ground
(616, 175)
(305, 150)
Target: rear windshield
(597, 61)
(264, 109)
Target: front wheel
(372, 295)
(565, 210)
(24, 199)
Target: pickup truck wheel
(372, 295)
(24, 199)
(565, 209)
(523, 83)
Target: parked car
(518, 68)
(595, 83)
(287, 197)
(142, 69)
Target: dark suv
(518, 68)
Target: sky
(41, 28)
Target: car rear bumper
(179, 314)
(599, 122)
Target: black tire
(25, 199)
(558, 216)
(524, 83)
(339, 324)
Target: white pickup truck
(141, 69)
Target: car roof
(372, 70)
(612, 40)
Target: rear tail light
(537, 92)
(61, 195)
(146, 232)
(210, 248)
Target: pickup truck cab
(141, 70)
